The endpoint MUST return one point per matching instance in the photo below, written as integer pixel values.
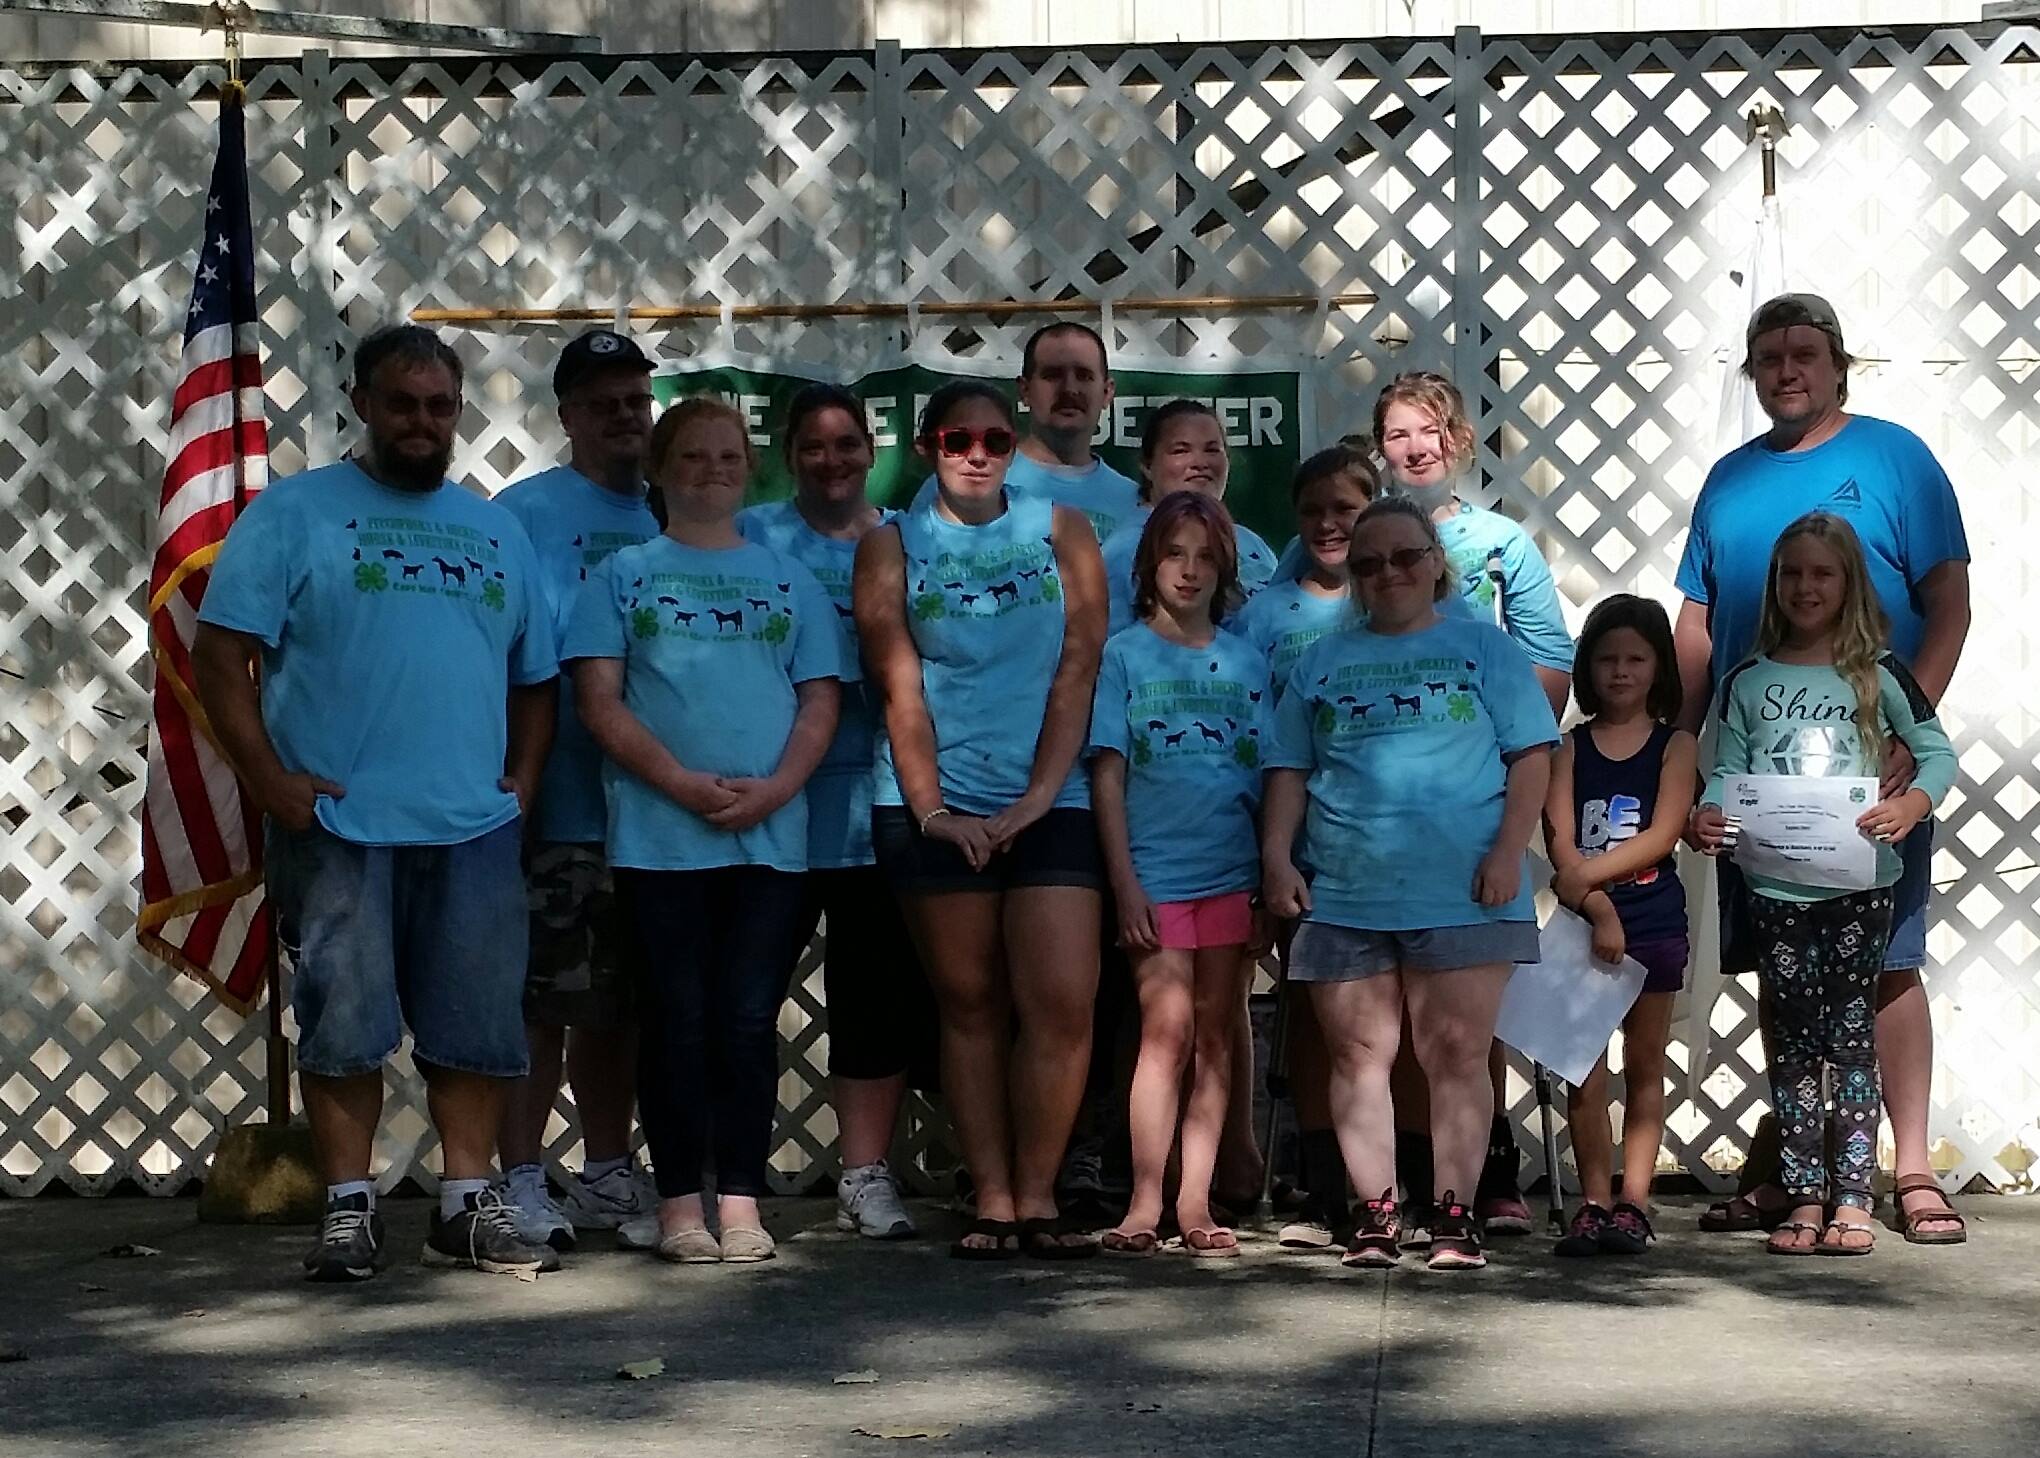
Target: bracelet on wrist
(931, 815)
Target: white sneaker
(868, 1202)
(537, 1216)
(605, 1204)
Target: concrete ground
(1706, 1346)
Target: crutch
(1277, 1084)
(1540, 1075)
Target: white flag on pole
(1738, 418)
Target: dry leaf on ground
(638, 1371)
(902, 1430)
(848, 1379)
(128, 1251)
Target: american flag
(203, 909)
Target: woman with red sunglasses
(982, 616)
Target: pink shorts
(1214, 921)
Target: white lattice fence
(1554, 221)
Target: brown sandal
(1794, 1227)
(1911, 1220)
(1739, 1213)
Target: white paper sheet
(1802, 828)
(1562, 1011)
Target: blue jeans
(384, 937)
(718, 949)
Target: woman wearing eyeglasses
(1413, 756)
(982, 616)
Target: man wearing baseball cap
(577, 994)
(1883, 480)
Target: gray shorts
(1326, 953)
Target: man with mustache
(1065, 389)
(577, 993)
(394, 738)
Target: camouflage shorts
(583, 967)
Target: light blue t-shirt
(573, 524)
(1190, 724)
(1098, 491)
(839, 795)
(1285, 618)
(1801, 719)
(1257, 565)
(985, 608)
(1531, 611)
(1879, 477)
(394, 624)
(1403, 739)
(713, 643)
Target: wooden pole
(882, 309)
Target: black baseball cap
(598, 349)
(1789, 310)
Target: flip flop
(1839, 1246)
(999, 1230)
(1129, 1243)
(1211, 1243)
(1911, 1220)
(1042, 1238)
(1795, 1226)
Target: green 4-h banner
(1260, 411)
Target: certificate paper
(1562, 1011)
(1802, 828)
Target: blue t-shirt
(394, 624)
(985, 608)
(1189, 723)
(1403, 739)
(1879, 477)
(839, 794)
(1284, 618)
(712, 643)
(1099, 492)
(1257, 565)
(1531, 610)
(573, 525)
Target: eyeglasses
(1402, 559)
(956, 440)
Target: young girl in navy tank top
(1621, 790)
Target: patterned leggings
(1820, 962)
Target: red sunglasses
(956, 440)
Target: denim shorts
(384, 937)
(1905, 952)
(1322, 952)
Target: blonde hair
(695, 410)
(1861, 630)
(1438, 398)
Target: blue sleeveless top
(1613, 801)
(985, 607)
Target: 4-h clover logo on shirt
(1460, 707)
(928, 605)
(644, 622)
(371, 576)
(1051, 591)
(492, 595)
(1247, 752)
(777, 627)
(1326, 717)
